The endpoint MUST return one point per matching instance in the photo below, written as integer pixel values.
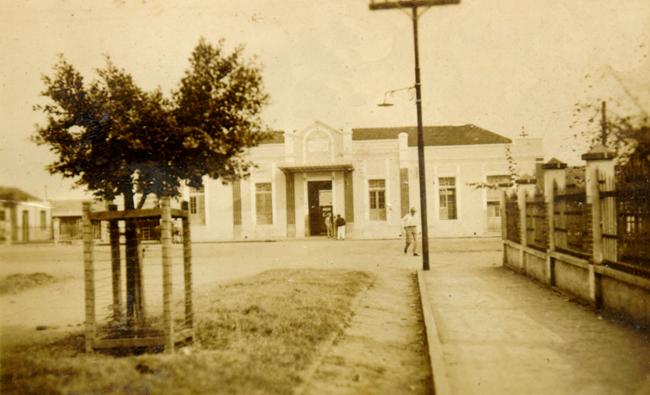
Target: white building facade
(369, 176)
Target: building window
(197, 206)
(496, 184)
(377, 194)
(264, 203)
(447, 191)
(3, 215)
(43, 220)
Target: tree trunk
(133, 293)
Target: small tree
(619, 121)
(115, 139)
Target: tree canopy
(115, 138)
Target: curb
(439, 376)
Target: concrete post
(600, 164)
(8, 229)
(554, 173)
(56, 230)
(554, 179)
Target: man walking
(340, 227)
(410, 225)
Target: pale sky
(499, 64)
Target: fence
(136, 310)
(512, 218)
(623, 203)
(632, 197)
(591, 240)
(572, 221)
(537, 235)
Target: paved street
(61, 304)
(503, 333)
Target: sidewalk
(503, 333)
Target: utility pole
(414, 5)
(603, 124)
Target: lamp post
(414, 5)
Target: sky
(499, 64)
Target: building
(369, 176)
(66, 220)
(23, 218)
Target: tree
(619, 121)
(115, 139)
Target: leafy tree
(116, 139)
(623, 125)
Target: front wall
(373, 159)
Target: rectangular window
(264, 203)
(497, 184)
(43, 220)
(2, 215)
(447, 192)
(377, 203)
(197, 206)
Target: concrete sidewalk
(503, 333)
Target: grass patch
(255, 336)
(15, 283)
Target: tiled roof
(434, 135)
(16, 194)
(277, 137)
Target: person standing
(410, 225)
(340, 227)
(328, 225)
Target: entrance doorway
(319, 197)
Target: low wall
(623, 294)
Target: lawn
(17, 282)
(254, 336)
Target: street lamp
(414, 5)
(387, 94)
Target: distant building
(66, 220)
(369, 176)
(23, 217)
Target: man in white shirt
(410, 225)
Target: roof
(434, 135)
(71, 208)
(277, 137)
(16, 194)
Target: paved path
(382, 349)
(502, 333)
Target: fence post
(554, 173)
(600, 161)
(187, 267)
(56, 230)
(166, 241)
(8, 228)
(503, 212)
(89, 277)
(116, 267)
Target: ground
(381, 350)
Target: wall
(623, 295)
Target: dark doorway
(319, 195)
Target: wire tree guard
(134, 328)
